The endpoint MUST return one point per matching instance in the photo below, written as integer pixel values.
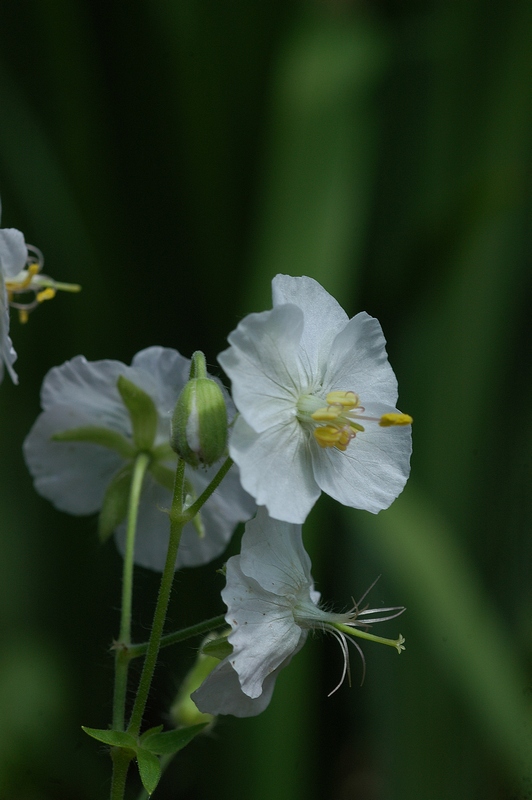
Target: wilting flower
(83, 441)
(316, 396)
(271, 607)
(22, 286)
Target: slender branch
(135, 650)
(192, 510)
(121, 761)
(176, 526)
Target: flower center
(30, 281)
(337, 423)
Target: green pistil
(351, 631)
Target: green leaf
(142, 411)
(95, 435)
(115, 503)
(171, 741)
(150, 732)
(112, 738)
(149, 769)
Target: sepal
(142, 412)
(92, 434)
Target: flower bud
(199, 424)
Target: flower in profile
(316, 396)
(83, 443)
(23, 287)
(271, 607)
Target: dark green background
(172, 156)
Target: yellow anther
(22, 315)
(325, 414)
(327, 435)
(330, 436)
(387, 420)
(344, 399)
(46, 294)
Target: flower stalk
(121, 658)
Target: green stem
(121, 657)
(135, 650)
(177, 522)
(121, 761)
(192, 510)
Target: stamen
(347, 400)
(46, 294)
(330, 436)
(387, 420)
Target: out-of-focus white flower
(13, 256)
(271, 607)
(23, 287)
(316, 396)
(75, 474)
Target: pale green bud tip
(198, 366)
(199, 424)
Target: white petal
(263, 632)
(90, 387)
(161, 372)
(263, 365)
(228, 506)
(72, 475)
(323, 315)
(276, 469)
(220, 693)
(220, 515)
(373, 470)
(7, 351)
(13, 252)
(358, 362)
(272, 553)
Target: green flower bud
(199, 424)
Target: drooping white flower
(271, 607)
(23, 286)
(316, 396)
(74, 475)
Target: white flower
(74, 475)
(316, 396)
(23, 287)
(271, 607)
(13, 255)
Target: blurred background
(172, 157)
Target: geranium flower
(23, 287)
(271, 607)
(316, 396)
(81, 398)
(13, 255)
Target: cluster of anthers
(31, 281)
(340, 419)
